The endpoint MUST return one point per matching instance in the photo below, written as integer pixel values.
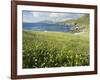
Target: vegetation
(54, 49)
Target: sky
(37, 16)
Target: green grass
(55, 49)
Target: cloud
(27, 16)
(31, 16)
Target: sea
(47, 27)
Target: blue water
(46, 27)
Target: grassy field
(55, 49)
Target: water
(46, 27)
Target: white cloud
(29, 16)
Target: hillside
(84, 20)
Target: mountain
(83, 20)
(81, 23)
(47, 22)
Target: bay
(47, 27)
